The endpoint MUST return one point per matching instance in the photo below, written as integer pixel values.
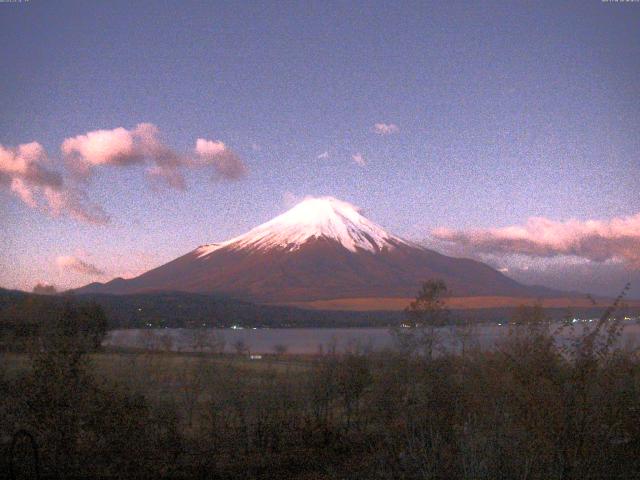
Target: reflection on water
(313, 340)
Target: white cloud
(323, 156)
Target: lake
(313, 340)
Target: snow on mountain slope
(314, 217)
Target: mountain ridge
(321, 249)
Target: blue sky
(504, 110)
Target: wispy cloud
(385, 128)
(359, 159)
(226, 163)
(28, 163)
(616, 239)
(323, 156)
(25, 172)
(74, 264)
(75, 203)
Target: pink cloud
(104, 147)
(24, 193)
(143, 145)
(28, 162)
(121, 147)
(74, 202)
(385, 128)
(616, 239)
(359, 159)
(76, 265)
(226, 163)
(168, 176)
(209, 148)
(18, 160)
(24, 172)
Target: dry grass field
(400, 303)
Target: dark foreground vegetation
(527, 410)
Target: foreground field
(526, 410)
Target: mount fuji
(322, 249)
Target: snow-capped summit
(314, 217)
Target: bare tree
(418, 333)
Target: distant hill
(191, 310)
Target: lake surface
(314, 340)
